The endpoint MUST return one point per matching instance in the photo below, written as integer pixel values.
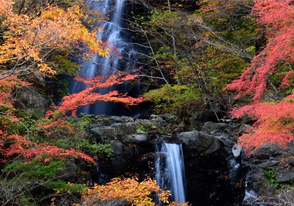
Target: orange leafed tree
(126, 191)
(26, 43)
(28, 40)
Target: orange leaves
(28, 40)
(5, 7)
(18, 145)
(88, 96)
(128, 190)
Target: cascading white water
(113, 34)
(170, 170)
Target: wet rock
(169, 118)
(137, 138)
(124, 129)
(122, 159)
(269, 164)
(144, 123)
(267, 152)
(234, 169)
(105, 133)
(286, 177)
(160, 120)
(236, 150)
(214, 127)
(117, 119)
(243, 128)
(199, 142)
(152, 116)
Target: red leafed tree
(71, 103)
(275, 121)
(18, 145)
(88, 96)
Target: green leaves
(35, 170)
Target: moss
(171, 98)
(271, 178)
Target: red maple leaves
(277, 16)
(274, 121)
(18, 145)
(88, 96)
(274, 124)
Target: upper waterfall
(122, 58)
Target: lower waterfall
(170, 170)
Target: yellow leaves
(104, 52)
(30, 39)
(164, 195)
(127, 190)
(44, 68)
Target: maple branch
(278, 93)
(10, 72)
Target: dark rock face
(217, 171)
(213, 174)
(211, 170)
(286, 177)
(199, 143)
(270, 169)
(214, 127)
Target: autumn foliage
(277, 16)
(28, 40)
(13, 145)
(274, 120)
(7, 85)
(127, 191)
(274, 124)
(88, 96)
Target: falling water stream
(169, 166)
(113, 33)
(169, 162)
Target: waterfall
(115, 35)
(169, 169)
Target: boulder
(269, 164)
(199, 142)
(286, 177)
(124, 129)
(236, 150)
(243, 128)
(105, 133)
(137, 138)
(266, 152)
(214, 127)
